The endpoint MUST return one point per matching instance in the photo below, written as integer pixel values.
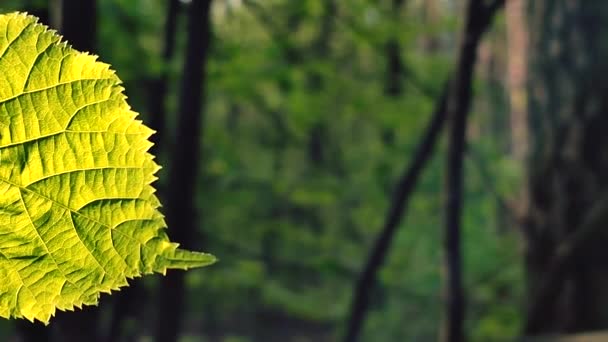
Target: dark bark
(186, 166)
(38, 10)
(78, 326)
(32, 332)
(128, 302)
(478, 19)
(395, 69)
(566, 183)
(394, 65)
(158, 86)
(562, 261)
(78, 23)
(367, 279)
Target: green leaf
(78, 215)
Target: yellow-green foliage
(78, 215)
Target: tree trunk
(394, 64)
(32, 332)
(395, 69)
(478, 19)
(158, 86)
(403, 190)
(129, 301)
(566, 254)
(77, 22)
(186, 166)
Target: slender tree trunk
(186, 166)
(129, 301)
(36, 9)
(77, 22)
(406, 185)
(459, 103)
(78, 326)
(566, 254)
(32, 332)
(158, 86)
(394, 64)
(395, 69)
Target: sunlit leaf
(78, 215)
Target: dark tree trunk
(38, 10)
(186, 165)
(129, 301)
(129, 305)
(78, 23)
(566, 254)
(367, 279)
(395, 69)
(158, 86)
(78, 326)
(478, 19)
(32, 332)
(394, 64)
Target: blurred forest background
(392, 170)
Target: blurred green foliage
(302, 149)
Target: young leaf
(78, 215)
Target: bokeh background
(286, 130)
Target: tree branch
(186, 163)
